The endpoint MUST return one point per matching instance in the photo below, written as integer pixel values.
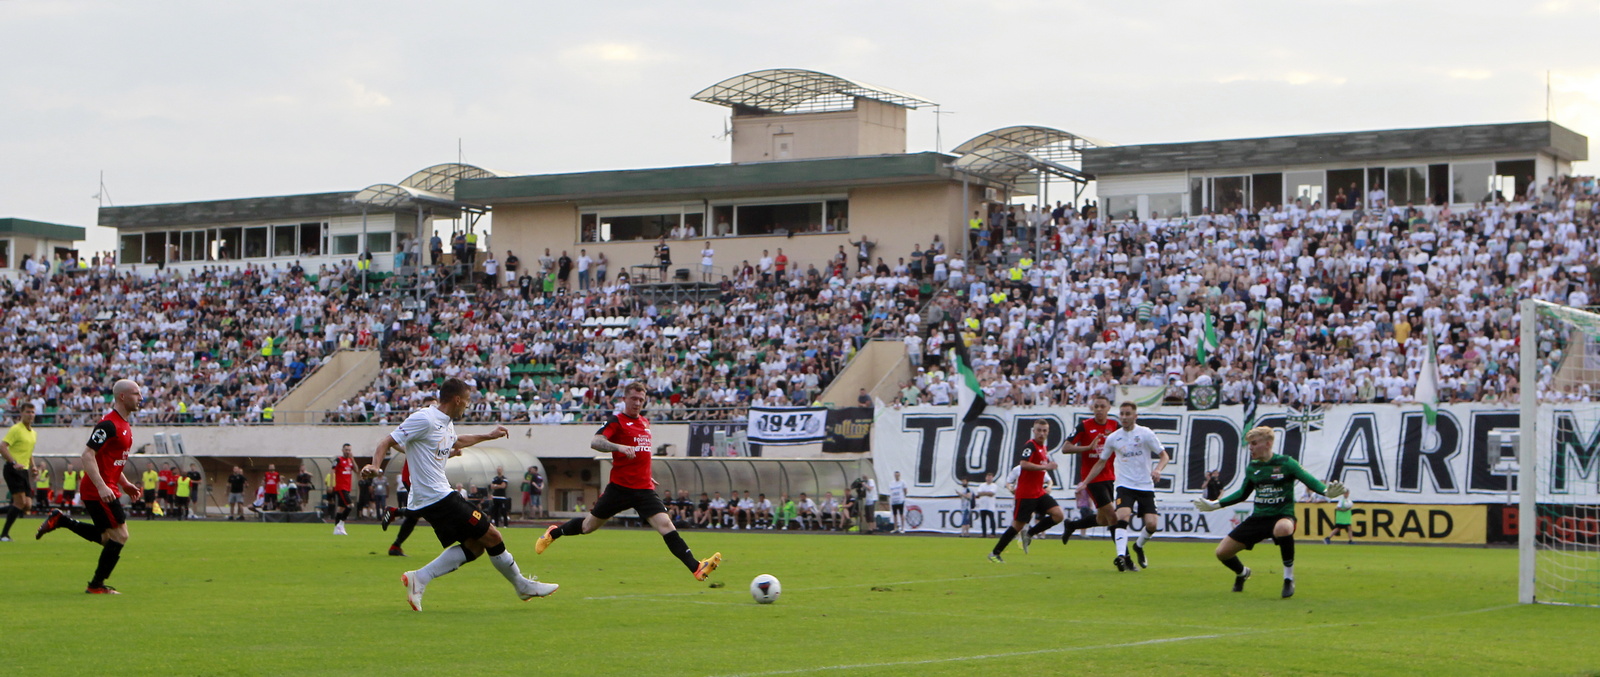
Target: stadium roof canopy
(434, 185)
(40, 229)
(1011, 154)
(794, 90)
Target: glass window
(1122, 207)
(1266, 189)
(1227, 193)
(131, 250)
(155, 247)
(346, 245)
(192, 246)
(5, 254)
(255, 242)
(1408, 186)
(722, 220)
(1304, 186)
(838, 217)
(648, 227)
(1166, 205)
(589, 228)
(1197, 203)
(310, 239)
(1469, 181)
(694, 224)
(228, 244)
(805, 217)
(379, 243)
(284, 241)
(1345, 186)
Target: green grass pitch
(231, 598)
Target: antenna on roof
(727, 129)
(104, 196)
(938, 130)
(1547, 96)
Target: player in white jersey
(428, 438)
(1140, 458)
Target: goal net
(1559, 456)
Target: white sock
(451, 559)
(1144, 536)
(507, 566)
(1288, 573)
(1122, 542)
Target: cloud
(1295, 78)
(1471, 74)
(365, 96)
(613, 52)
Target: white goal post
(1558, 455)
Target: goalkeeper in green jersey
(1272, 477)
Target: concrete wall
(339, 378)
(896, 217)
(879, 367)
(872, 128)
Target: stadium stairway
(340, 377)
(879, 367)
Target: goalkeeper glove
(1204, 505)
(1335, 489)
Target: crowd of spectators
(1336, 305)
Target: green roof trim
(1352, 148)
(40, 229)
(698, 179)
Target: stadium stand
(1344, 298)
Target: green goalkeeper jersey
(1273, 481)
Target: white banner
(1182, 520)
(789, 425)
(1382, 452)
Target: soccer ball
(765, 589)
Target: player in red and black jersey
(1088, 440)
(627, 437)
(103, 459)
(343, 468)
(1032, 499)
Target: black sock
(1234, 564)
(681, 550)
(1043, 526)
(109, 554)
(342, 515)
(572, 527)
(1285, 548)
(1083, 523)
(405, 530)
(85, 531)
(11, 516)
(1005, 539)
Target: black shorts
(617, 498)
(42, 496)
(16, 479)
(1255, 529)
(1028, 507)
(341, 499)
(67, 494)
(897, 508)
(454, 520)
(106, 514)
(1102, 492)
(181, 500)
(1142, 502)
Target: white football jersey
(1136, 451)
(427, 436)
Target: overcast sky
(185, 101)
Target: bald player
(103, 459)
